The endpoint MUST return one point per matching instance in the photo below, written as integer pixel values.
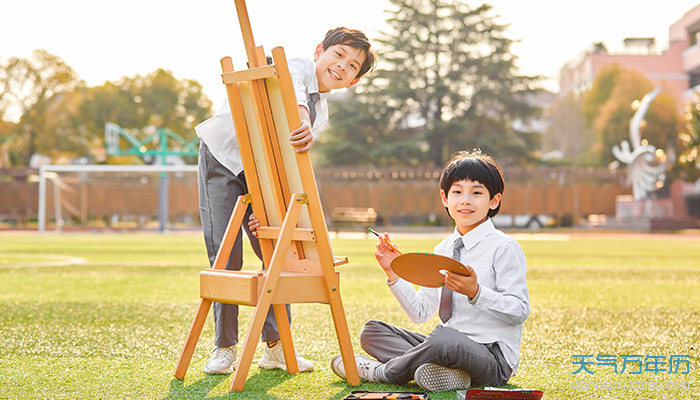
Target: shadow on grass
(256, 387)
(198, 390)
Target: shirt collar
(313, 84)
(474, 236)
(313, 88)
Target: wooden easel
(293, 234)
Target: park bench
(352, 216)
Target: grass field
(87, 316)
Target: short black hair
(474, 166)
(355, 39)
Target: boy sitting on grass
(482, 314)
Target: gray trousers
(403, 351)
(219, 189)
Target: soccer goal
(117, 197)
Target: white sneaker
(337, 366)
(221, 361)
(273, 358)
(366, 367)
(436, 378)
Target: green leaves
(46, 108)
(446, 80)
(608, 108)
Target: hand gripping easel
(293, 234)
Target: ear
(443, 197)
(318, 51)
(354, 81)
(495, 201)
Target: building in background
(685, 33)
(664, 69)
(676, 69)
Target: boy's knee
(441, 342)
(369, 331)
(444, 343)
(372, 324)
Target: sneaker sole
(277, 365)
(219, 372)
(335, 370)
(436, 378)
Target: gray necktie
(446, 296)
(311, 101)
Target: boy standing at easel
(340, 60)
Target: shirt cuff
(390, 284)
(473, 300)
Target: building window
(693, 36)
(694, 80)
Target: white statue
(646, 170)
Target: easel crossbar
(272, 232)
(267, 71)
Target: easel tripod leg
(192, 337)
(343, 334)
(290, 357)
(266, 295)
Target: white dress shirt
(218, 132)
(497, 312)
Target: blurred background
(97, 107)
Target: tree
(155, 99)
(359, 135)
(610, 104)
(567, 131)
(45, 108)
(30, 87)
(6, 128)
(449, 81)
(688, 164)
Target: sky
(108, 40)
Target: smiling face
(468, 203)
(337, 66)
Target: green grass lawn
(86, 316)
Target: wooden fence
(399, 195)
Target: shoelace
(222, 353)
(364, 366)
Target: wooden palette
(424, 269)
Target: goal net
(118, 197)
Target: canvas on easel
(299, 264)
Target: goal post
(92, 179)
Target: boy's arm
(302, 137)
(302, 72)
(419, 305)
(509, 299)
